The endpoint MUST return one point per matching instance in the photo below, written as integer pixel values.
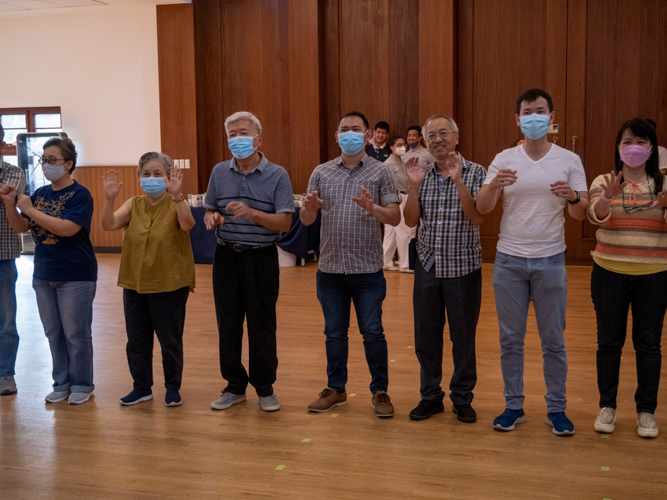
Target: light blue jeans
(66, 311)
(9, 338)
(517, 280)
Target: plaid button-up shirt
(350, 237)
(10, 242)
(446, 235)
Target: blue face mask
(154, 186)
(241, 146)
(351, 142)
(535, 126)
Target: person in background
(416, 148)
(11, 179)
(65, 275)
(157, 272)
(378, 147)
(662, 152)
(630, 271)
(536, 181)
(249, 201)
(397, 239)
(356, 194)
(448, 270)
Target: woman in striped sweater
(630, 270)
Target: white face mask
(53, 172)
(400, 150)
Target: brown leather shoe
(382, 405)
(328, 399)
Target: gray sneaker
(57, 396)
(646, 426)
(269, 403)
(77, 398)
(7, 386)
(226, 400)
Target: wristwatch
(575, 201)
(180, 198)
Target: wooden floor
(103, 450)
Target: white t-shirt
(662, 158)
(533, 223)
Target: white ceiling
(34, 5)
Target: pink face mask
(634, 156)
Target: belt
(237, 247)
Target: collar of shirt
(262, 163)
(340, 162)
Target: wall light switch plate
(553, 128)
(187, 163)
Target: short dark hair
(417, 128)
(653, 124)
(382, 125)
(393, 140)
(644, 130)
(354, 113)
(2, 134)
(533, 95)
(66, 148)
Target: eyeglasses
(634, 208)
(50, 161)
(443, 134)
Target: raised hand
(8, 194)
(213, 220)
(455, 166)
(110, 184)
(612, 185)
(174, 181)
(661, 202)
(312, 201)
(504, 177)
(24, 204)
(563, 190)
(415, 172)
(241, 210)
(365, 201)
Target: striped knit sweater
(640, 236)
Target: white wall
(99, 64)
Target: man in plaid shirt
(10, 249)
(448, 274)
(356, 194)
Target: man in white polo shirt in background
(536, 180)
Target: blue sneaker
(172, 398)
(506, 421)
(136, 397)
(562, 426)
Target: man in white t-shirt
(536, 180)
(662, 152)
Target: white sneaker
(646, 426)
(390, 268)
(57, 396)
(226, 400)
(406, 270)
(77, 398)
(269, 403)
(605, 420)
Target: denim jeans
(367, 291)
(613, 294)
(9, 338)
(66, 311)
(517, 280)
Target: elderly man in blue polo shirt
(249, 202)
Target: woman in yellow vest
(157, 271)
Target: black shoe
(465, 413)
(426, 409)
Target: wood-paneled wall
(91, 178)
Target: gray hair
(243, 115)
(451, 121)
(166, 161)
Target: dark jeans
(367, 291)
(9, 338)
(460, 298)
(613, 294)
(164, 314)
(245, 286)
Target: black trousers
(460, 298)
(245, 286)
(613, 294)
(164, 314)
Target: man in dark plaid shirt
(10, 249)
(448, 274)
(356, 194)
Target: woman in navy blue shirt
(65, 276)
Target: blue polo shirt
(266, 188)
